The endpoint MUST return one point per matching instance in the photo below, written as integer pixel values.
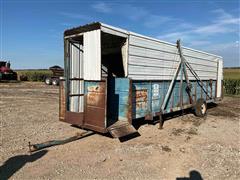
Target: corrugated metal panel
(134, 60)
(171, 44)
(92, 55)
(114, 30)
(150, 59)
(220, 78)
(140, 51)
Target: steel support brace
(182, 67)
(169, 92)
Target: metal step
(121, 129)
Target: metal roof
(120, 31)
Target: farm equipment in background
(54, 79)
(6, 73)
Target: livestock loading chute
(112, 76)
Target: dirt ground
(187, 147)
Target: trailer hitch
(37, 147)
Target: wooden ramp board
(120, 129)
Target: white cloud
(212, 37)
(195, 43)
(212, 29)
(224, 17)
(102, 7)
(223, 23)
(147, 18)
(154, 21)
(229, 51)
(133, 13)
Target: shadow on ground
(193, 175)
(13, 164)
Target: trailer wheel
(55, 82)
(48, 81)
(200, 108)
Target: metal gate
(93, 115)
(76, 83)
(95, 105)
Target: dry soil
(187, 147)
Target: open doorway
(75, 74)
(113, 55)
(114, 59)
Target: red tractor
(6, 73)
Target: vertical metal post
(185, 71)
(181, 88)
(161, 120)
(66, 71)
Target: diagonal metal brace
(169, 92)
(181, 67)
(186, 64)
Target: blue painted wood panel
(118, 98)
(148, 96)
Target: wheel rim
(47, 81)
(55, 82)
(203, 108)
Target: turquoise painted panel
(142, 99)
(118, 98)
(148, 96)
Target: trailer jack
(37, 147)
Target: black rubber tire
(55, 82)
(48, 81)
(200, 109)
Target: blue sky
(32, 31)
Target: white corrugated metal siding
(92, 55)
(151, 59)
(148, 58)
(220, 78)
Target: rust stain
(129, 113)
(96, 88)
(141, 95)
(62, 99)
(141, 105)
(141, 99)
(94, 99)
(93, 96)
